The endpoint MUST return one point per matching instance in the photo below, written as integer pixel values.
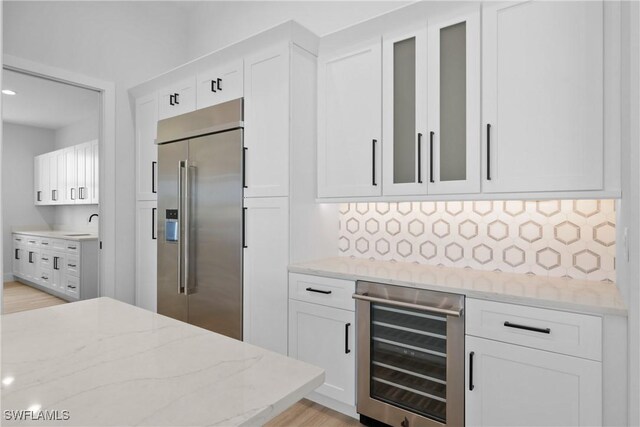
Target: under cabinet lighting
(8, 92)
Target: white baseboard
(333, 404)
(8, 277)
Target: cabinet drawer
(220, 84)
(44, 277)
(561, 332)
(177, 99)
(72, 286)
(55, 244)
(322, 290)
(46, 260)
(19, 239)
(32, 241)
(73, 266)
(72, 247)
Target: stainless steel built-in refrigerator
(200, 217)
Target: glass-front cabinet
(431, 108)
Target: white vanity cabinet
(322, 332)
(350, 121)
(542, 96)
(530, 366)
(64, 268)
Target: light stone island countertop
(109, 363)
(59, 234)
(548, 292)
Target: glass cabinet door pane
(453, 103)
(404, 111)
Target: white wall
(122, 42)
(215, 24)
(20, 144)
(77, 133)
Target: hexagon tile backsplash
(574, 238)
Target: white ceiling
(45, 103)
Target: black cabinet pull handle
(471, 386)
(171, 100)
(527, 328)
(153, 177)
(419, 158)
(30, 257)
(175, 98)
(38, 196)
(244, 228)
(153, 224)
(55, 262)
(347, 350)
(17, 254)
(213, 86)
(71, 265)
(244, 167)
(320, 291)
(373, 162)
(488, 152)
(431, 135)
(218, 81)
(71, 287)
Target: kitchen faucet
(91, 217)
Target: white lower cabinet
(65, 268)
(528, 366)
(322, 332)
(511, 385)
(325, 337)
(266, 254)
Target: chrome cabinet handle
(180, 228)
(456, 312)
(72, 195)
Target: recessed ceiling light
(8, 92)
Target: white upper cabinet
(86, 162)
(542, 96)
(404, 86)
(177, 99)
(220, 84)
(71, 176)
(266, 138)
(453, 138)
(146, 148)
(349, 122)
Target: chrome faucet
(91, 217)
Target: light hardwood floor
(18, 297)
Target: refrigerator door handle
(181, 165)
(187, 224)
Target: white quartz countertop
(109, 363)
(58, 234)
(549, 292)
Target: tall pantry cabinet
(275, 73)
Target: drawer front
(33, 241)
(72, 247)
(46, 260)
(177, 99)
(45, 243)
(558, 331)
(58, 245)
(72, 286)
(220, 85)
(45, 277)
(19, 239)
(73, 266)
(322, 290)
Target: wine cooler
(410, 356)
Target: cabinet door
(542, 96)
(404, 158)
(510, 385)
(454, 104)
(16, 261)
(81, 173)
(177, 99)
(37, 190)
(146, 148)
(71, 180)
(58, 267)
(267, 123)
(221, 84)
(146, 255)
(324, 336)
(266, 256)
(31, 266)
(54, 190)
(41, 179)
(349, 122)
